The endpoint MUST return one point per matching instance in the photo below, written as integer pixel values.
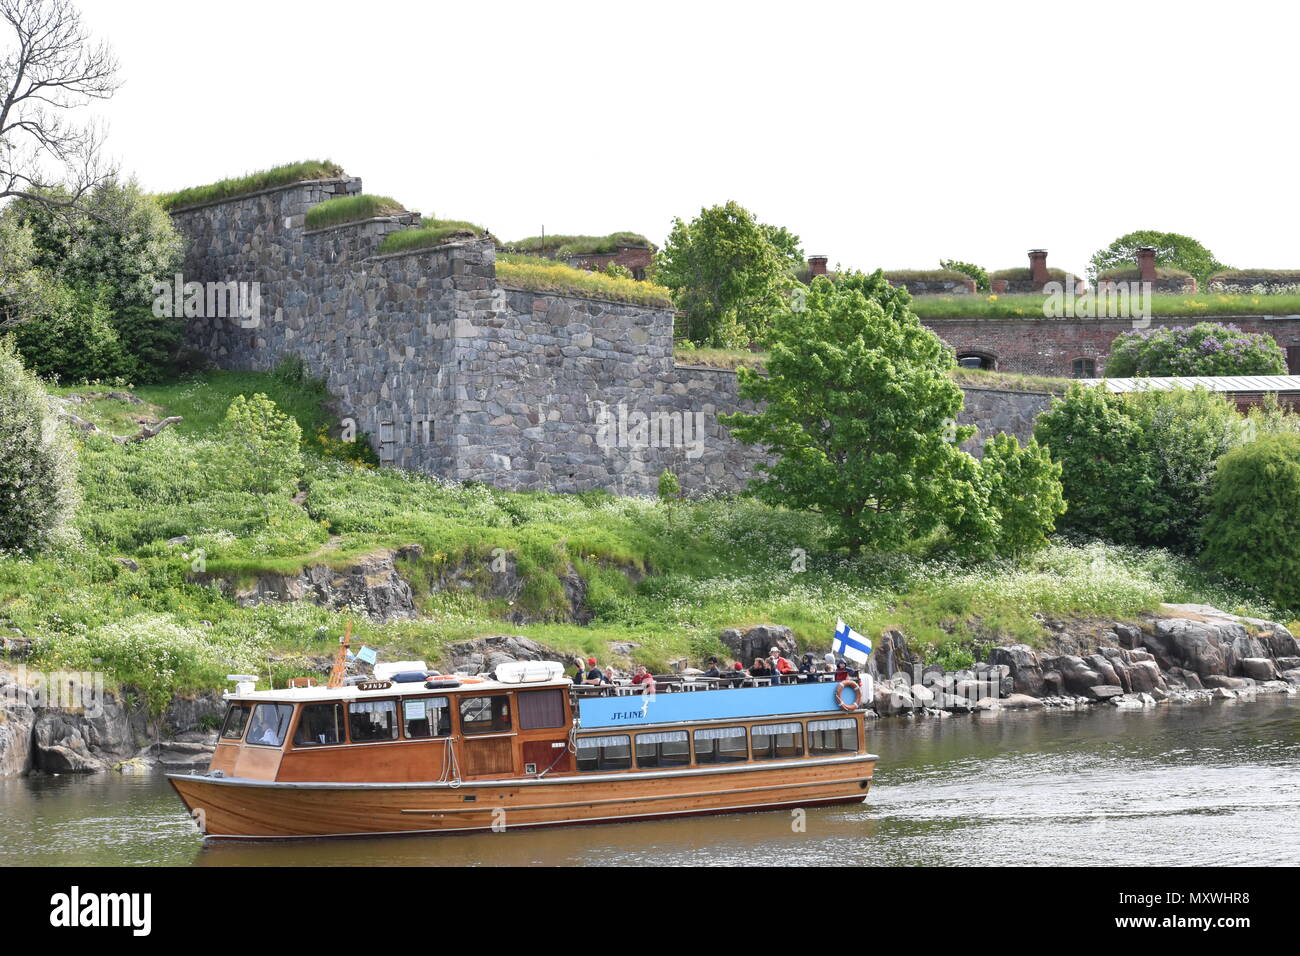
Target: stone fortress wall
(451, 373)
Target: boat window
(427, 717)
(777, 741)
(270, 724)
(720, 745)
(669, 748)
(605, 753)
(236, 721)
(833, 736)
(371, 720)
(485, 715)
(541, 708)
(319, 724)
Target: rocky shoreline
(1184, 654)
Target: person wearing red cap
(594, 674)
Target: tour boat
(454, 754)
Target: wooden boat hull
(233, 808)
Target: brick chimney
(816, 266)
(1038, 267)
(1146, 259)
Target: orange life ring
(839, 695)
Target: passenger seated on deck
(761, 668)
(643, 676)
(779, 666)
(714, 669)
(808, 668)
(581, 672)
(594, 674)
(738, 675)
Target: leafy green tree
(728, 273)
(117, 236)
(25, 289)
(75, 340)
(1137, 468)
(1207, 348)
(1104, 472)
(858, 416)
(1024, 492)
(1172, 249)
(669, 485)
(262, 450)
(978, 273)
(38, 485)
(1253, 529)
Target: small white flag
(850, 643)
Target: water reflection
(1194, 784)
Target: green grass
(1010, 381)
(905, 275)
(718, 358)
(432, 232)
(1269, 275)
(1191, 307)
(345, 209)
(251, 183)
(700, 566)
(1024, 274)
(578, 245)
(545, 275)
(1133, 273)
(978, 378)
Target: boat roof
(298, 695)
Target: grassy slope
(711, 564)
(1031, 306)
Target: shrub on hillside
(1207, 348)
(37, 464)
(1136, 468)
(1024, 492)
(1253, 530)
(262, 446)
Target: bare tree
(54, 68)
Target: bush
(669, 485)
(262, 444)
(1207, 348)
(37, 467)
(1024, 492)
(76, 341)
(122, 239)
(1136, 469)
(1253, 530)
(971, 271)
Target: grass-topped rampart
(546, 275)
(346, 209)
(252, 182)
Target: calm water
(1193, 784)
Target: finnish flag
(849, 643)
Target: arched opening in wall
(1084, 368)
(985, 360)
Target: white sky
(883, 135)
